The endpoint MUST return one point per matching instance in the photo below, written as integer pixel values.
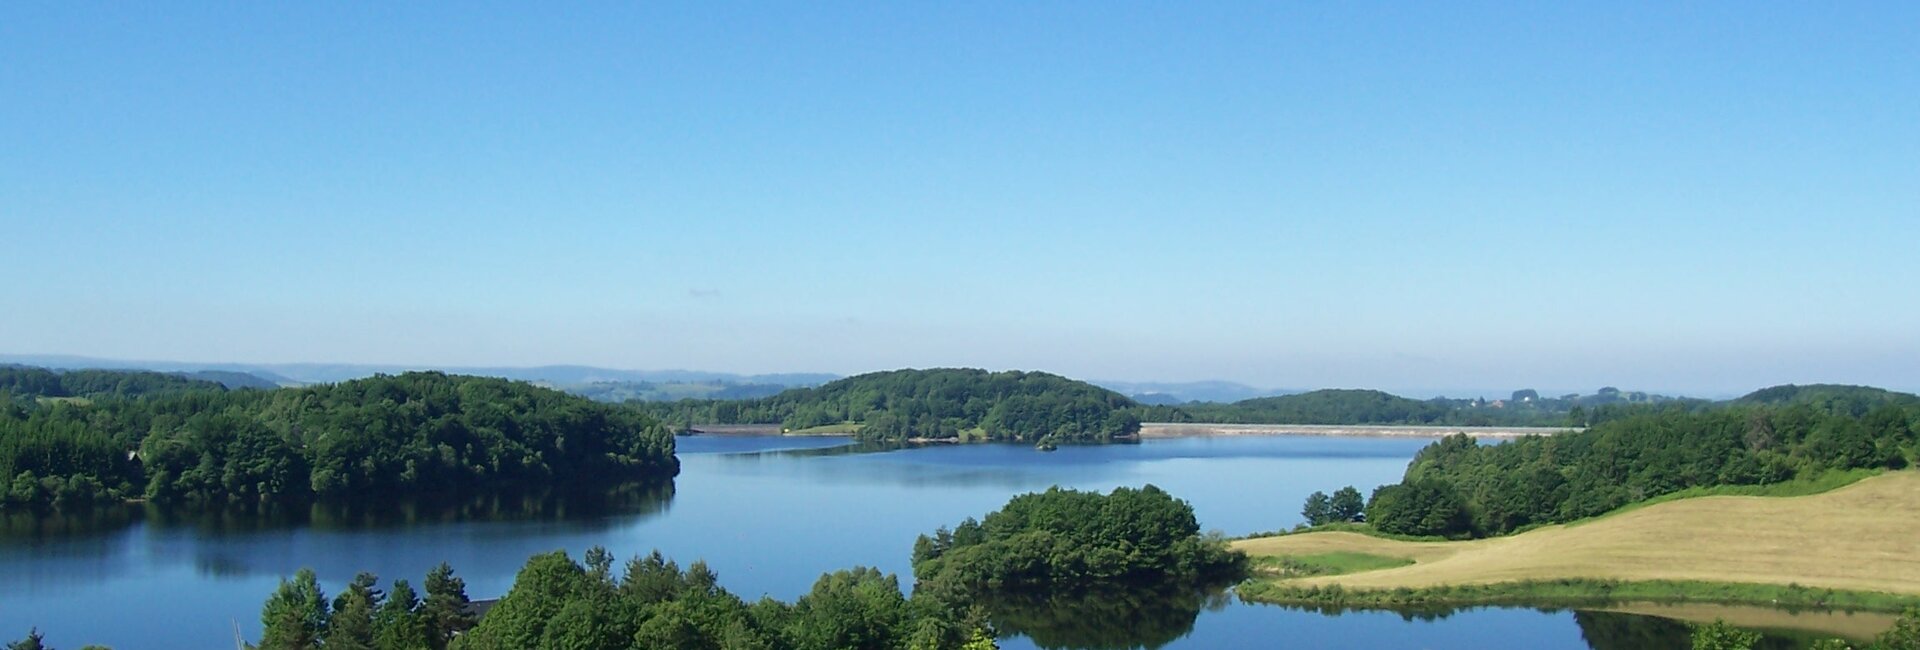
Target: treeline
(941, 404)
(1065, 540)
(29, 382)
(557, 602)
(418, 432)
(1371, 407)
(298, 614)
(1457, 487)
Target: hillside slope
(1863, 537)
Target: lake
(769, 514)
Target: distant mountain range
(294, 374)
(1172, 393)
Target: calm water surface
(769, 514)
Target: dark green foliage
(445, 611)
(408, 434)
(400, 624)
(1549, 479)
(1427, 507)
(298, 616)
(1718, 635)
(857, 609)
(295, 617)
(1830, 398)
(557, 603)
(41, 382)
(1318, 509)
(1347, 504)
(1063, 538)
(350, 626)
(941, 404)
(1110, 618)
(1332, 406)
(33, 641)
(1361, 407)
(1905, 634)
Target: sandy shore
(1181, 430)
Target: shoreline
(1707, 549)
(1208, 430)
(1164, 430)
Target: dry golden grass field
(1862, 537)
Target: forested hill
(1458, 487)
(1526, 408)
(1830, 397)
(1332, 406)
(378, 437)
(943, 403)
(28, 381)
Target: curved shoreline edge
(1572, 592)
(1848, 548)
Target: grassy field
(1862, 537)
(1325, 564)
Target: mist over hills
(619, 385)
(312, 373)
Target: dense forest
(1457, 487)
(938, 404)
(28, 381)
(386, 435)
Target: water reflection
(1621, 630)
(585, 510)
(1107, 619)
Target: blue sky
(1702, 197)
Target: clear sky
(1703, 197)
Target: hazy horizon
(1699, 200)
(70, 361)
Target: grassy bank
(1573, 593)
(1850, 547)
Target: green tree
(858, 609)
(446, 610)
(1905, 634)
(351, 625)
(1718, 635)
(295, 616)
(980, 640)
(1425, 507)
(1347, 504)
(1318, 509)
(399, 624)
(33, 642)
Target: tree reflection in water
(1106, 619)
(587, 509)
